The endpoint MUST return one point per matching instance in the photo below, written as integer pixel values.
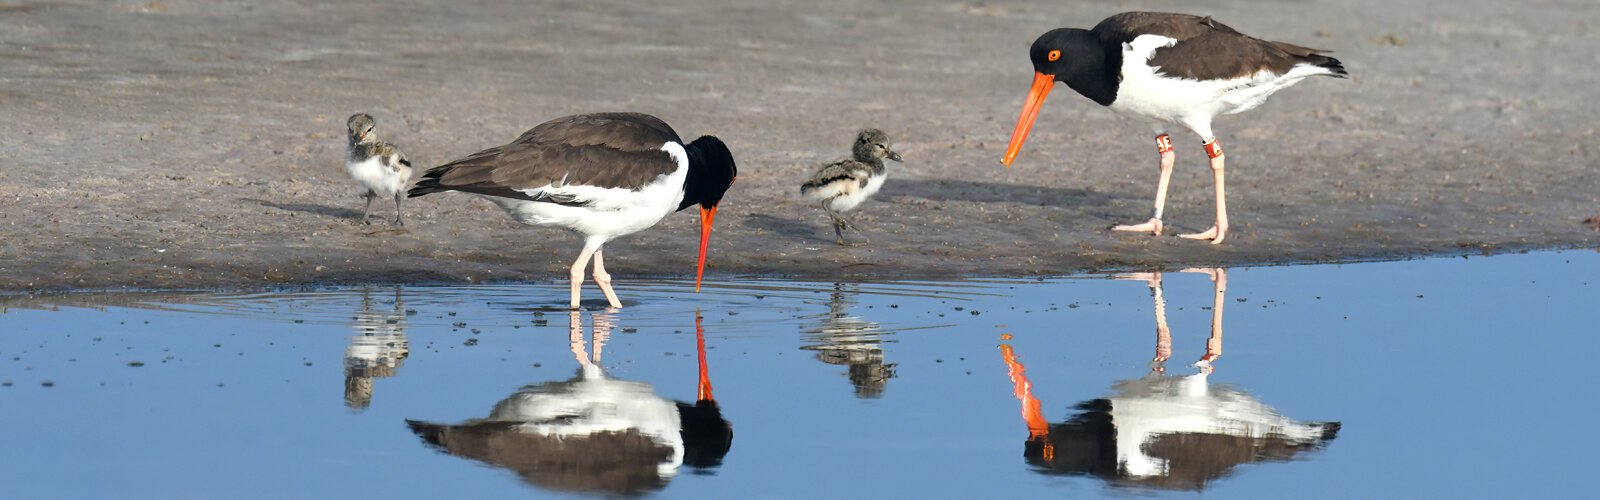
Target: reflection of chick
(1159, 431)
(592, 433)
(377, 350)
(842, 339)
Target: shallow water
(1444, 377)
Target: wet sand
(177, 144)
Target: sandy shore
(179, 144)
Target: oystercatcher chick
(376, 165)
(844, 184)
(602, 175)
(1167, 69)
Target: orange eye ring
(1054, 56)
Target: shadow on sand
(311, 208)
(794, 228)
(995, 192)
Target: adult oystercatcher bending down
(1167, 69)
(602, 175)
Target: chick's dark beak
(894, 155)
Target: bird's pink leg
(575, 336)
(577, 270)
(1163, 333)
(1168, 158)
(1220, 229)
(1219, 290)
(604, 280)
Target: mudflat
(192, 144)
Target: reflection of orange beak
(706, 215)
(1030, 110)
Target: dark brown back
(1206, 49)
(609, 150)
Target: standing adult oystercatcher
(376, 165)
(844, 184)
(1167, 69)
(602, 175)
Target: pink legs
(1219, 230)
(1168, 158)
(604, 280)
(592, 249)
(1219, 282)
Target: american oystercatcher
(376, 165)
(844, 184)
(602, 175)
(593, 433)
(1167, 69)
(1160, 430)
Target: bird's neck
(878, 166)
(1096, 70)
(362, 148)
(876, 163)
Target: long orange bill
(704, 392)
(1030, 110)
(1038, 428)
(706, 215)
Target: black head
(872, 146)
(707, 436)
(1072, 56)
(1066, 52)
(711, 173)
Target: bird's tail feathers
(1334, 67)
(429, 183)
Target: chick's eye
(1055, 55)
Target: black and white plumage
(1167, 69)
(1163, 431)
(844, 184)
(377, 166)
(593, 433)
(603, 175)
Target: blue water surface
(1448, 377)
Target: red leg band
(1163, 144)
(1213, 149)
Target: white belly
(609, 212)
(1147, 93)
(854, 194)
(592, 222)
(374, 176)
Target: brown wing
(837, 171)
(1206, 49)
(608, 150)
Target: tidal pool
(1459, 377)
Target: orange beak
(1030, 110)
(706, 216)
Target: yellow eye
(1054, 55)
